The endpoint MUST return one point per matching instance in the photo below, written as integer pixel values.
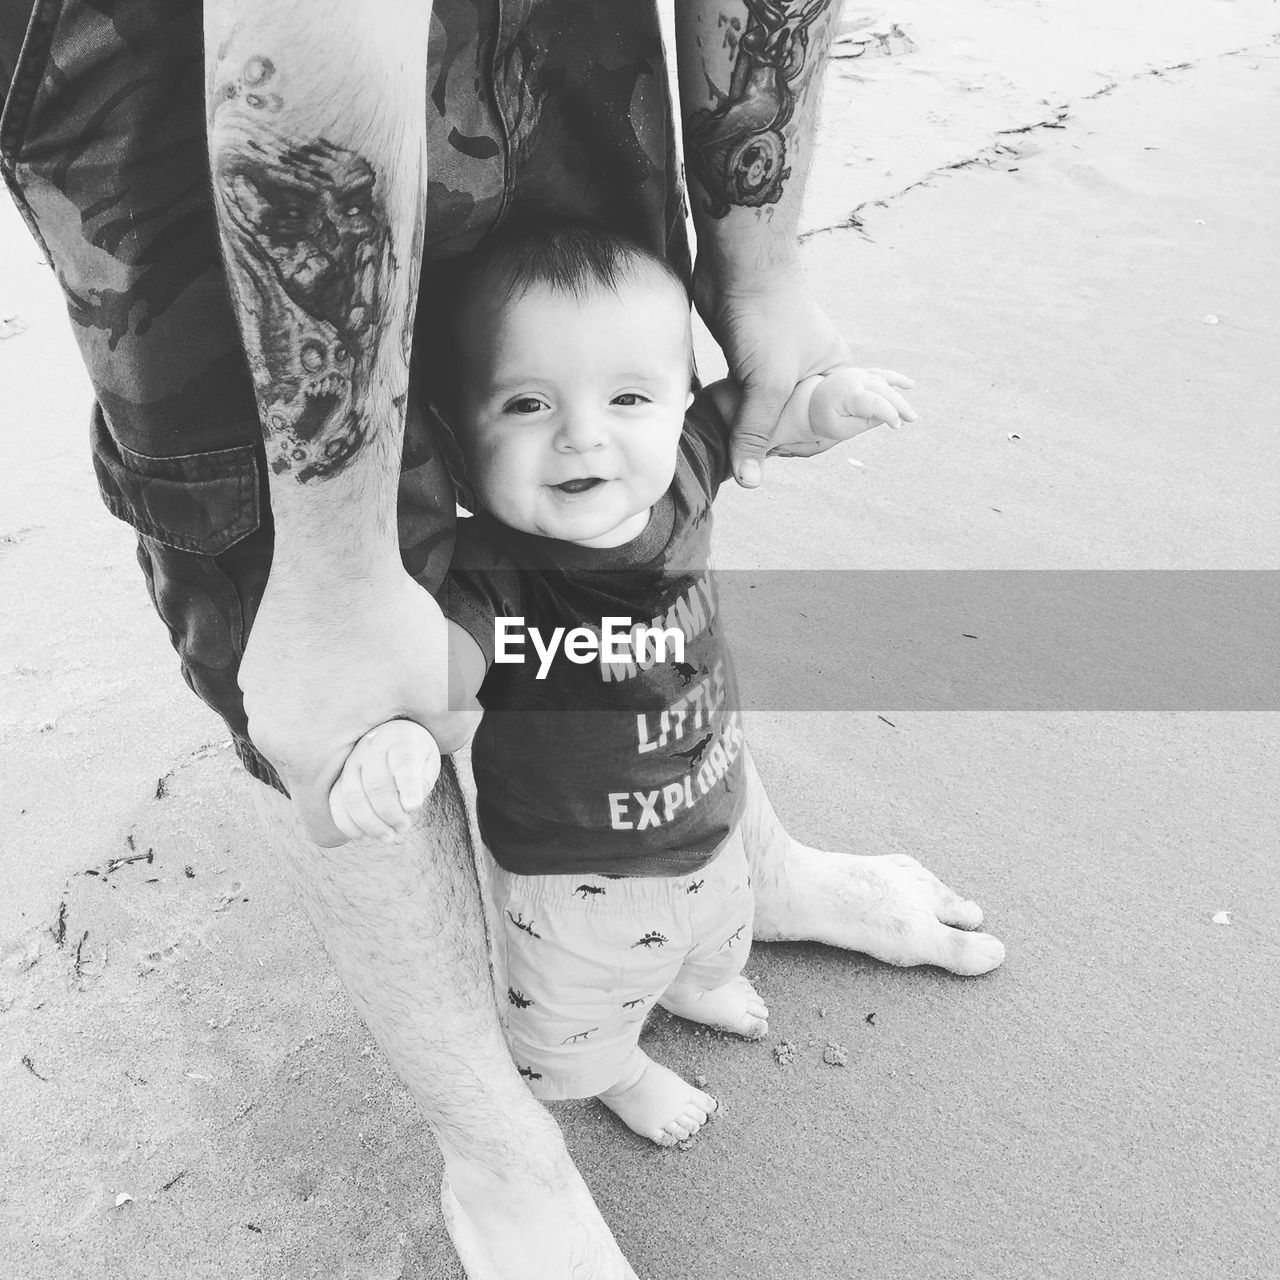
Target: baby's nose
(581, 432)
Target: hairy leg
(404, 926)
(887, 906)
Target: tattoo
(737, 150)
(309, 255)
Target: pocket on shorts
(203, 503)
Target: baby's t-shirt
(629, 763)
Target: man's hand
(750, 110)
(773, 335)
(320, 670)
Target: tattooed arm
(316, 117)
(750, 76)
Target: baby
(584, 614)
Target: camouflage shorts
(542, 108)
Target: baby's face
(573, 407)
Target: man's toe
(958, 912)
(972, 953)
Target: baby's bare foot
(735, 1007)
(659, 1105)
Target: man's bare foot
(888, 906)
(734, 1007)
(532, 1230)
(658, 1105)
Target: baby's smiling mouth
(580, 485)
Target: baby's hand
(389, 773)
(849, 401)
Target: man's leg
(404, 926)
(888, 906)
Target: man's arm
(316, 116)
(317, 147)
(750, 75)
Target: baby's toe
(695, 1118)
(682, 1128)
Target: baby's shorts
(584, 958)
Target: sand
(1104, 1105)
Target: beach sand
(1033, 214)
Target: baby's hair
(572, 258)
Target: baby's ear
(688, 401)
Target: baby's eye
(629, 398)
(526, 404)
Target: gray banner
(971, 640)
